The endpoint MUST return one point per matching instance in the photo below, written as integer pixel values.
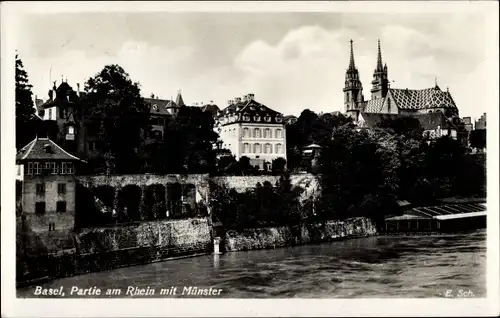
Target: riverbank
(273, 237)
(103, 249)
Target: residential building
(48, 188)
(481, 122)
(249, 128)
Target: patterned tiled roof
(374, 105)
(159, 106)
(36, 150)
(430, 121)
(422, 99)
(371, 120)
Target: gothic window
(256, 133)
(257, 148)
(279, 133)
(268, 148)
(279, 148)
(246, 132)
(267, 133)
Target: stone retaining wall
(272, 237)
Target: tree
(478, 138)
(278, 165)
(115, 102)
(25, 119)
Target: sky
(290, 61)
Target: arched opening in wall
(174, 196)
(131, 195)
(158, 208)
(147, 203)
(86, 212)
(189, 200)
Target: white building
(251, 129)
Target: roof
(443, 212)
(252, 110)
(35, 150)
(429, 121)
(407, 217)
(373, 119)
(374, 105)
(160, 106)
(212, 108)
(422, 98)
(311, 146)
(179, 101)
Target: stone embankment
(273, 237)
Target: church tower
(353, 90)
(380, 83)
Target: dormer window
(256, 118)
(252, 108)
(246, 117)
(155, 107)
(267, 118)
(279, 119)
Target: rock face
(264, 238)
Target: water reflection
(424, 266)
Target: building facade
(481, 122)
(48, 186)
(249, 128)
(417, 103)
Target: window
(279, 148)
(279, 119)
(268, 148)
(40, 207)
(246, 132)
(279, 133)
(19, 170)
(61, 206)
(256, 133)
(52, 226)
(246, 148)
(71, 130)
(53, 168)
(256, 118)
(63, 168)
(267, 118)
(92, 145)
(37, 168)
(246, 117)
(47, 166)
(267, 133)
(61, 188)
(257, 148)
(30, 167)
(40, 188)
(50, 113)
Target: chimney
(251, 96)
(230, 102)
(237, 99)
(78, 89)
(152, 95)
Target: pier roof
(443, 212)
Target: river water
(392, 266)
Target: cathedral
(434, 108)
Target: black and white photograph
(218, 151)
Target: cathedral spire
(352, 66)
(379, 58)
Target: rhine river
(390, 266)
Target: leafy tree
(477, 138)
(408, 126)
(278, 165)
(25, 119)
(115, 102)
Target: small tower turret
(353, 89)
(380, 83)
